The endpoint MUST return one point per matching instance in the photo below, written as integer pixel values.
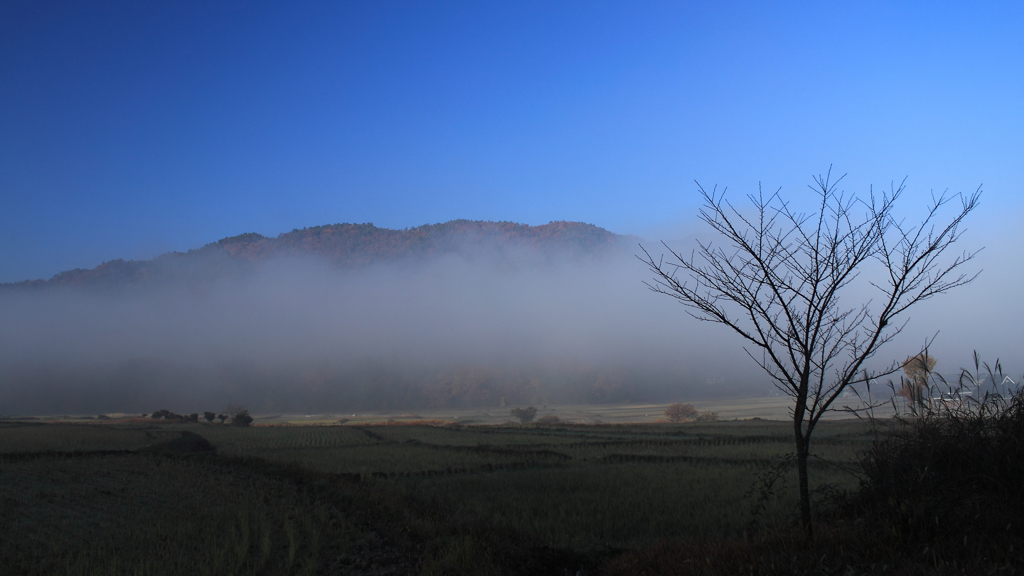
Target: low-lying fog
(300, 336)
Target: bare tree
(780, 282)
(680, 412)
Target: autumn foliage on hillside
(352, 245)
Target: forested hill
(353, 245)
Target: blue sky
(128, 130)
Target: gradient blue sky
(128, 130)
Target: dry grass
(466, 499)
(152, 514)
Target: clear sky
(132, 129)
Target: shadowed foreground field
(135, 497)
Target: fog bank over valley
(477, 318)
(347, 318)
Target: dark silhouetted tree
(239, 415)
(782, 279)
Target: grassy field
(144, 514)
(372, 497)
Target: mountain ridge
(349, 245)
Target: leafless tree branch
(780, 279)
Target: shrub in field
(168, 415)
(241, 418)
(193, 417)
(209, 416)
(680, 412)
(549, 419)
(222, 417)
(707, 416)
(239, 415)
(525, 415)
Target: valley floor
(389, 497)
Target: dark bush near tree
(193, 417)
(209, 416)
(680, 412)
(524, 415)
(951, 475)
(222, 417)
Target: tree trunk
(802, 440)
(805, 493)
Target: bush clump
(707, 416)
(241, 418)
(680, 412)
(524, 415)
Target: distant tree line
(239, 416)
